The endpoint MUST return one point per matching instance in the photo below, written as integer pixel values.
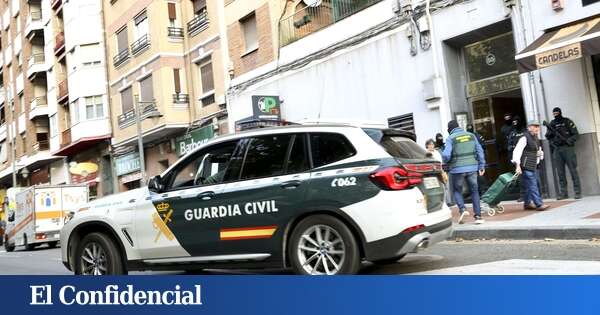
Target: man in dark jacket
(526, 157)
(506, 128)
(562, 134)
(465, 160)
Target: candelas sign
(559, 55)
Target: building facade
(410, 66)
(166, 58)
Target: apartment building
(54, 104)
(166, 58)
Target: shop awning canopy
(562, 44)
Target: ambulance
(37, 214)
(316, 199)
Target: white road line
(523, 267)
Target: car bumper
(410, 242)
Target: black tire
(28, 246)
(9, 248)
(52, 244)
(389, 261)
(111, 258)
(349, 264)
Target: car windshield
(396, 145)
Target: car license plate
(431, 182)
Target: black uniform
(562, 134)
(516, 132)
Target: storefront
(128, 171)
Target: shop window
(250, 33)
(94, 108)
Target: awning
(563, 44)
(80, 145)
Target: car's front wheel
(323, 245)
(7, 246)
(96, 255)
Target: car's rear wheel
(9, 248)
(388, 261)
(323, 245)
(97, 255)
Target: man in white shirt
(526, 157)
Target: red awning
(80, 145)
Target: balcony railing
(36, 16)
(39, 101)
(198, 23)
(37, 59)
(127, 119)
(175, 32)
(140, 44)
(63, 91)
(59, 43)
(312, 19)
(121, 57)
(180, 98)
(65, 138)
(41, 146)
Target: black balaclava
(453, 124)
(439, 140)
(508, 122)
(559, 111)
(470, 128)
(517, 123)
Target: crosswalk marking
(522, 267)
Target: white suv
(318, 199)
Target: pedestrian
(562, 134)
(439, 142)
(516, 132)
(435, 154)
(527, 155)
(466, 160)
(506, 127)
(478, 136)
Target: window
(21, 103)
(327, 148)
(250, 34)
(3, 152)
(177, 80)
(53, 126)
(147, 90)
(208, 167)
(94, 107)
(208, 100)
(266, 156)
(172, 11)
(18, 23)
(206, 75)
(90, 55)
(403, 122)
(141, 25)
(2, 115)
(199, 7)
(74, 110)
(126, 100)
(122, 41)
(588, 2)
(298, 159)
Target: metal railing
(63, 90)
(59, 42)
(180, 98)
(175, 32)
(198, 23)
(121, 57)
(312, 19)
(140, 44)
(128, 118)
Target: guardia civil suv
(318, 199)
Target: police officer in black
(517, 131)
(562, 134)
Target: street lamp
(25, 173)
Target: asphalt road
(446, 255)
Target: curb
(537, 233)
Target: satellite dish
(312, 3)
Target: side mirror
(155, 184)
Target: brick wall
(264, 54)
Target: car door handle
(291, 184)
(207, 195)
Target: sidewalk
(566, 219)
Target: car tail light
(40, 236)
(414, 228)
(424, 168)
(396, 178)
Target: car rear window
(327, 148)
(398, 146)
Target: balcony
(148, 110)
(37, 64)
(34, 23)
(312, 19)
(59, 44)
(198, 23)
(140, 44)
(41, 146)
(121, 57)
(63, 91)
(39, 107)
(175, 32)
(65, 139)
(56, 4)
(180, 98)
